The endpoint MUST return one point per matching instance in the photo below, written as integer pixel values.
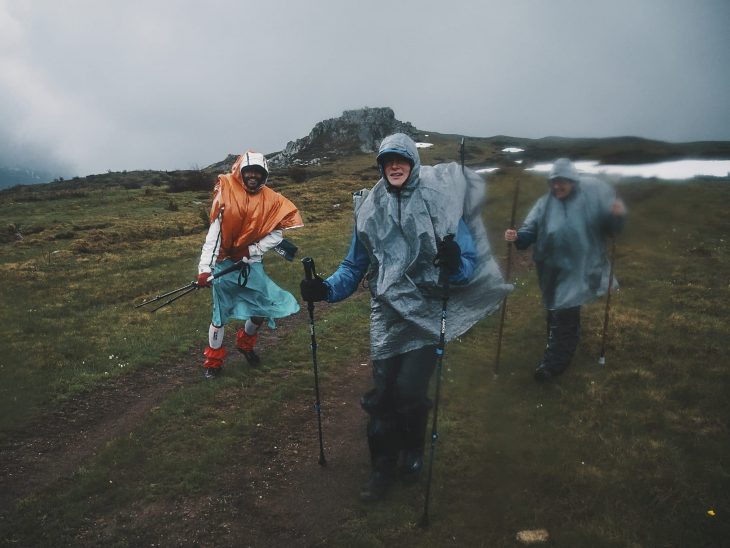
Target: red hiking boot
(245, 344)
(213, 361)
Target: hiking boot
(410, 471)
(542, 374)
(213, 361)
(245, 344)
(377, 486)
(213, 357)
(252, 358)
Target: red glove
(202, 280)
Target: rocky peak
(359, 130)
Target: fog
(89, 86)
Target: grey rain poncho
(569, 239)
(399, 230)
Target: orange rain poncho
(247, 217)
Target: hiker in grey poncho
(568, 226)
(399, 231)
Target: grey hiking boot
(542, 374)
(210, 372)
(412, 465)
(377, 486)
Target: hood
(250, 158)
(400, 143)
(564, 169)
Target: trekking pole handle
(309, 270)
(238, 265)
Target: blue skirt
(259, 297)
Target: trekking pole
(507, 272)
(192, 286)
(309, 273)
(602, 358)
(461, 154)
(439, 362)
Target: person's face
(396, 169)
(253, 178)
(561, 188)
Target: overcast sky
(90, 86)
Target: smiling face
(396, 169)
(253, 178)
(561, 188)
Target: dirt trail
(276, 492)
(292, 499)
(58, 442)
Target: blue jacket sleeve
(344, 281)
(468, 255)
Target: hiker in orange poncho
(246, 220)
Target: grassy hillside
(631, 454)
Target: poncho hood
(402, 144)
(564, 169)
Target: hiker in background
(247, 219)
(399, 231)
(568, 226)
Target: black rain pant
(398, 405)
(563, 334)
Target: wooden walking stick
(507, 273)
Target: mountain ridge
(359, 131)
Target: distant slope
(613, 150)
(10, 177)
(360, 131)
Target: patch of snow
(674, 170)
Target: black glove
(448, 255)
(314, 290)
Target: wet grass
(630, 454)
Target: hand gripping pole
(192, 286)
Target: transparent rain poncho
(569, 243)
(399, 230)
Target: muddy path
(276, 492)
(56, 443)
